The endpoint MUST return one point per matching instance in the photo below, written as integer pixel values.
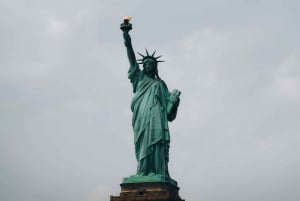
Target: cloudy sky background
(65, 119)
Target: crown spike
(141, 54)
(153, 53)
(148, 56)
(158, 57)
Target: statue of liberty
(152, 107)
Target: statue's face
(149, 67)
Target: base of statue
(147, 191)
(152, 178)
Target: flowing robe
(150, 123)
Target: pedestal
(148, 191)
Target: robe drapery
(150, 123)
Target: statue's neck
(150, 74)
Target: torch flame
(127, 18)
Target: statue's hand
(172, 106)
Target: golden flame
(127, 18)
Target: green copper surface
(153, 178)
(153, 105)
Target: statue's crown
(148, 56)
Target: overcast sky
(65, 119)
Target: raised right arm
(128, 45)
(134, 70)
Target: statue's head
(150, 63)
(150, 67)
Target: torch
(126, 26)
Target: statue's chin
(149, 74)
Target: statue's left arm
(172, 105)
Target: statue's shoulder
(163, 83)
